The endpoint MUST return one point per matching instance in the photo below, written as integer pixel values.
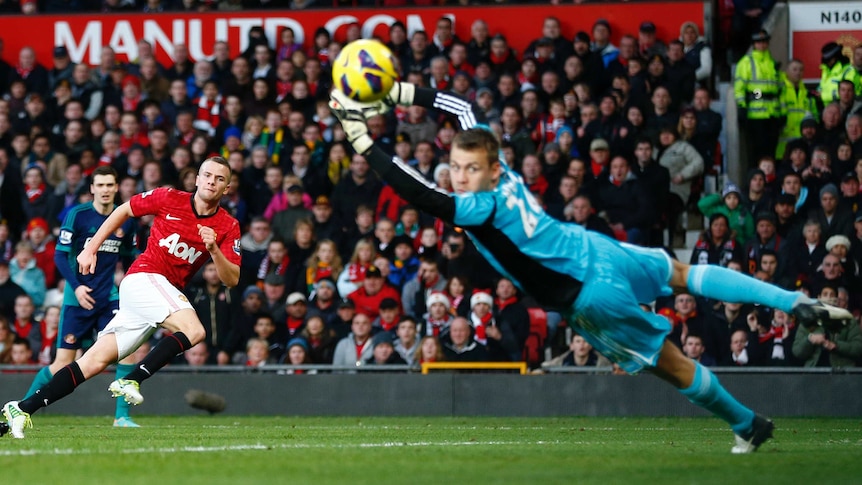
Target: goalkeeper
(596, 282)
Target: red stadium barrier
(86, 34)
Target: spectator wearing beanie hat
(757, 196)
(131, 90)
(405, 265)
(44, 247)
(232, 142)
(602, 42)
(416, 291)
(390, 315)
(836, 241)
(851, 199)
(729, 204)
(833, 219)
(840, 246)
(481, 315)
(438, 318)
(297, 353)
(383, 351)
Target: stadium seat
(535, 343)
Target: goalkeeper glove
(401, 93)
(352, 115)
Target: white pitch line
(263, 447)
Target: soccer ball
(364, 70)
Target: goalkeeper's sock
(61, 385)
(162, 353)
(42, 377)
(732, 286)
(706, 392)
(122, 409)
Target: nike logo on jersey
(172, 218)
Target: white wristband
(406, 93)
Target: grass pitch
(241, 450)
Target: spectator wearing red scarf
(439, 78)
(531, 170)
(512, 319)
(130, 134)
(438, 318)
(37, 193)
(390, 315)
(209, 105)
(290, 322)
(44, 341)
(684, 317)
(480, 315)
(503, 58)
(24, 322)
(28, 70)
(131, 87)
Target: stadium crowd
(336, 268)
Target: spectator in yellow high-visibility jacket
(836, 67)
(757, 89)
(795, 102)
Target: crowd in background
(336, 268)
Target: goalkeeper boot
(761, 430)
(129, 389)
(17, 419)
(819, 314)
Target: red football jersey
(175, 249)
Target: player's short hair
(106, 170)
(478, 139)
(219, 160)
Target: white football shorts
(146, 300)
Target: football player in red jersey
(185, 226)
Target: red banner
(806, 48)
(85, 35)
(813, 24)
